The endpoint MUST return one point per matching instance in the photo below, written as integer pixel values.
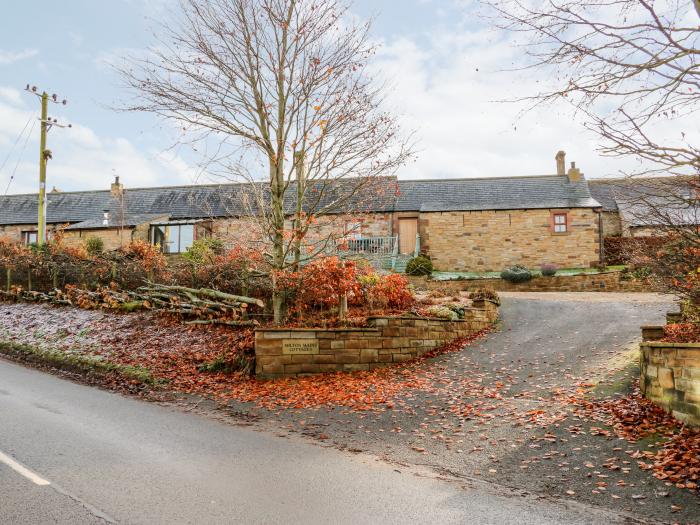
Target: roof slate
(650, 201)
(116, 221)
(507, 193)
(383, 194)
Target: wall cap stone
(661, 344)
(319, 329)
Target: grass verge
(82, 364)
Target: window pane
(158, 236)
(186, 236)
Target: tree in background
(279, 91)
(632, 68)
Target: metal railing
(370, 246)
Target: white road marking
(24, 471)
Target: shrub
(442, 312)
(516, 274)
(622, 250)
(682, 333)
(204, 250)
(94, 245)
(420, 265)
(485, 294)
(458, 309)
(393, 290)
(549, 270)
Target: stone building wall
(670, 377)
(14, 231)
(612, 224)
(247, 229)
(493, 240)
(387, 340)
(113, 238)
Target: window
(30, 237)
(560, 223)
(173, 238)
(353, 230)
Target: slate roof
(507, 193)
(116, 221)
(195, 201)
(650, 201)
(384, 194)
(602, 191)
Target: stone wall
(14, 231)
(386, 340)
(328, 226)
(493, 240)
(670, 377)
(612, 224)
(600, 282)
(113, 238)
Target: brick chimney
(117, 188)
(561, 162)
(574, 173)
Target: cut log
(220, 321)
(207, 292)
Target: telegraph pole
(41, 236)
(44, 156)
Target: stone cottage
(482, 224)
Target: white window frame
(557, 225)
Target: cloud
(11, 95)
(10, 57)
(83, 158)
(449, 89)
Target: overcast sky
(445, 66)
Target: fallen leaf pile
(634, 417)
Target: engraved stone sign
(299, 346)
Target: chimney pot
(574, 173)
(117, 188)
(561, 162)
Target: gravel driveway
(492, 413)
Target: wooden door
(408, 228)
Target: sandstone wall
(670, 376)
(600, 282)
(284, 352)
(493, 240)
(612, 224)
(113, 238)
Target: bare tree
(269, 85)
(628, 65)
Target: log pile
(197, 305)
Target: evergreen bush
(420, 265)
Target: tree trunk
(277, 184)
(8, 275)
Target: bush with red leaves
(681, 333)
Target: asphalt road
(74, 454)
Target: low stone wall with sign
(598, 282)
(670, 374)
(386, 340)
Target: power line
(21, 155)
(15, 144)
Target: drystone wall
(386, 340)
